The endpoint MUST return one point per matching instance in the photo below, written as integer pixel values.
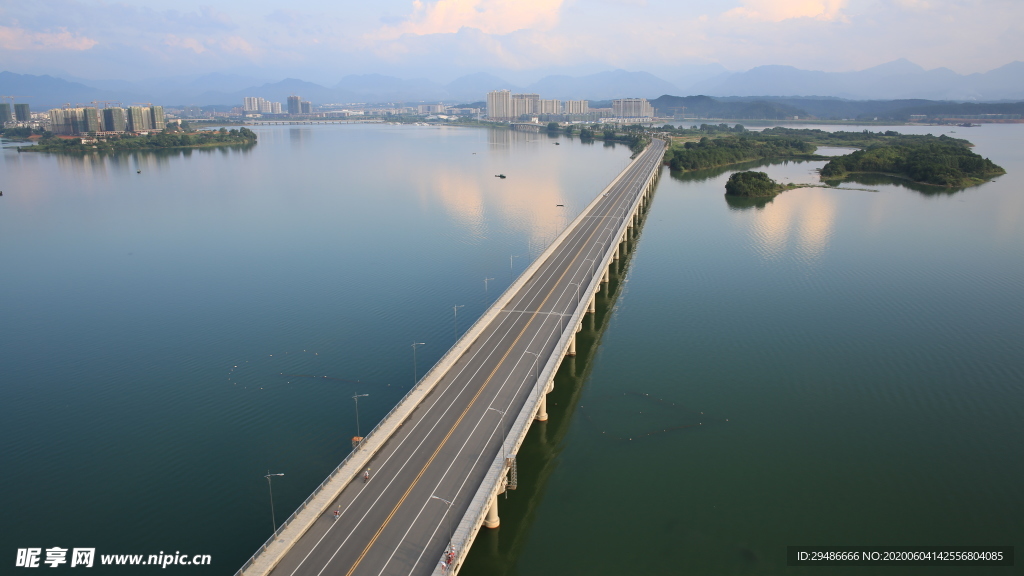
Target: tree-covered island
(925, 159)
(167, 139)
(938, 161)
(750, 184)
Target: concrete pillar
(492, 520)
(542, 410)
(572, 346)
(579, 327)
(617, 246)
(592, 306)
(604, 277)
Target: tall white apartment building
(525, 104)
(632, 108)
(549, 107)
(576, 107)
(499, 105)
(257, 104)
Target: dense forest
(752, 185)
(782, 107)
(166, 139)
(939, 161)
(711, 152)
(862, 139)
(708, 107)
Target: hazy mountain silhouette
(900, 79)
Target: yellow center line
(466, 411)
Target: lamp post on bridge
(356, 397)
(456, 320)
(414, 374)
(501, 419)
(510, 273)
(449, 515)
(273, 520)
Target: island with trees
(168, 139)
(750, 184)
(921, 158)
(937, 161)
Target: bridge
(442, 456)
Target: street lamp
(485, 282)
(449, 515)
(536, 361)
(414, 375)
(578, 288)
(271, 489)
(510, 276)
(501, 418)
(456, 320)
(356, 398)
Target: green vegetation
(861, 139)
(166, 139)
(711, 152)
(752, 185)
(938, 161)
(20, 133)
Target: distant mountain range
(900, 79)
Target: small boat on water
(499, 175)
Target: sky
(519, 40)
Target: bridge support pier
(492, 520)
(604, 277)
(592, 306)
(542, 410)
(572, 346)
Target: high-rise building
(22, 113)
(293, 104)
(114, 120)
(525, 104)
(305, 107)
(139, 119)
(73, 120)
(90, 120)
(576, 107)
(251, 103)
(499, 105)
(632, 108)
(549, 107)
(431, 108)
(156, 118)
(5, 113)
(275, 107)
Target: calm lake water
(834, 367)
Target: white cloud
(488, 16)
(779, 10)
(21, 39)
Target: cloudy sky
(521, 40)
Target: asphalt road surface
(390, 524)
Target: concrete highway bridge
(442, 456)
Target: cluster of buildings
(253, 105)
(504, 106)
(14, 113)
(114, 120)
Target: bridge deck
(447, 444)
